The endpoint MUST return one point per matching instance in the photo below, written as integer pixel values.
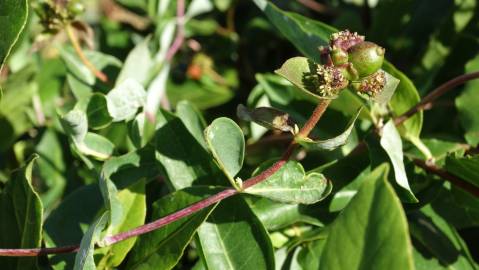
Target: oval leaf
(267, 117)
(13, 17)
(124, 100)
(84, 258)
(329, 144)
(226, 141)
(290, 185)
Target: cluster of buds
(350, 59)
(54, 14)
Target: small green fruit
(339, 56)
(366, 57)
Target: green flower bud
(366, 57)
(344, 40)
(75, 8)
(338, 56)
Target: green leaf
(124, 100)
(97, 112)
(274, 215)
(306, 34)
(466, 102)
(76, 67)
(267, 117)
(226, 141)
(193, 121)
(405, 97)
(301, 71)
(96, 146)
(137, 64)
(466, 168)
(133, 212)
(437, 243)
(13, 17)
(329, 144)
(75, 124)
(68, 222)
(234, 238)
(290, 184)
(361, 238)
(184, 160)
(21, 215)
(162, 248)
(391, 143)
(84, 259)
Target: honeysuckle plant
(115, 152)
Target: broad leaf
(301, 72)
(162, 248)
(84, 258)
(137, 64)
(466, 168)
(391, 143)
(193, 120)
(361, 236)
(184, 160)
(306, 34)
(13, 17)
(466, 102)
(21, 216)
(388, 90)
(290, 184)
(234, 238)
(226, 141)
(124, 100)
(330, 144)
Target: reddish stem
(109, 240)
(180, 34)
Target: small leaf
(97, 112)
(75, 124)
(361, 236)
(330, 144)
(290, 184)
(137, 64)
(466, 104)
(21, 215)
(301, 72)
(391, 142)
(226, 141)
(13, 17)
(267, 117)
(388, 90)
(163, 248)
(84, 258)
(124, 100)
(96, 146)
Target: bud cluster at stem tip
(350, 59)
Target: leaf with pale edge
(13, 18)
(84, 259)
(329, 144)
(290, 184)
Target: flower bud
(338, 56)
(330, 80)
(344, 40)
(372, 85)
(366, 57)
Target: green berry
(366, 57)
(339, 56)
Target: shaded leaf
(13, 17)
(21, 215)
(290, 184)
(361, 236)
(162, 248)
(234, 238)
(193, 120)
(226, 141)
(466, 168)
(329, 144)
(267, 117)
(466, 103)
(391, 142)
(137, 64)
(84, 258)
(97, 112)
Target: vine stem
(76, 45)
(148, 227)
(426, 102)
